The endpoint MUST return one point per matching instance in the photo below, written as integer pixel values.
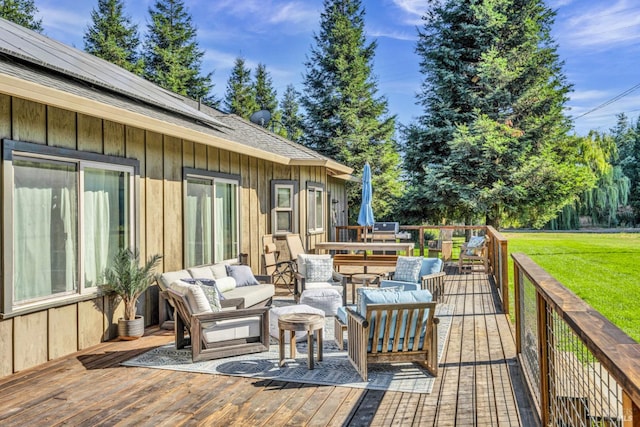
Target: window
(284, 207)
(211, 217)
(68, 213)
(315, 194)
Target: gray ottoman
(326, 299)
(276, 312)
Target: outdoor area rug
(335, 368)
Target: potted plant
(127, 279)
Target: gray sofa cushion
(252, 294)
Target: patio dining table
(357, 253)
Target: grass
(601, 269)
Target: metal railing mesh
(529, 334)
(582, 393)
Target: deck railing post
(543, 354)
(630, 412)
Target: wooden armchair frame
(358, 332)
(200, 349)
(479, 257)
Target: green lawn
(602, 269)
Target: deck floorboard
(479, 384)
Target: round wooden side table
(312, 324)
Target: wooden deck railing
(580, 369)
(498, 256)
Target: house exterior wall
(33, 338)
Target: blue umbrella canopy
(365, 217)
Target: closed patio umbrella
(365, 217)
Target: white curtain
(101, 222)
(199, 234)
(45, 224)
(226, 229)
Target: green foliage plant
(127, 279)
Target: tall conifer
(240, 97)
(113, 37)
(345, 119)
(172, 57)
(493, 99)
(291, 118)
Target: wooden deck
(479, 385)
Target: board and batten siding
(31, 339)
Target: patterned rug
(335, 368)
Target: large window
(315, 198)
(211, 217)
(67, 214)
(284, 212)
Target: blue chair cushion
(430, 266)
(342, 313)
(372, 297)
(406, 286)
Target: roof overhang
(17, 87)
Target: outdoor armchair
(413, 273)
(393, 327)
(317, 272)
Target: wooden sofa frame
(358, 331)
(194, 323)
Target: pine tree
(113, 37)
(240, 98)
(345, 119)
(266, 95)
(22, 12)
(291, 118)
(492, 79)
(172, 57)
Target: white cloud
(394, 34)
(64, 21)
(590, 95)
(297, 16)
(413, 7)
(603, 26)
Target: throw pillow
(211, 293)
(319, 270)
(473, 244)
(207, 282)
(225, 284)
(242, 274)
(408, 269)
(362, 308)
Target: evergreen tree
(113, 37)
(171, 54)
(627, 139)
(345, 119)
(291, 118)
(266, 95)
(240, 98)
(22, 12)
(493, 81)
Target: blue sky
(598, 40)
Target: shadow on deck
(480, 384)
